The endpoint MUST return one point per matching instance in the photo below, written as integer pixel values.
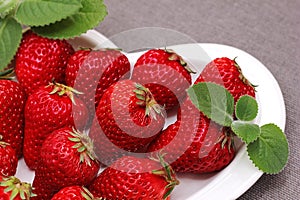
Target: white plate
(240, 174)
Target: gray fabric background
(267, 29)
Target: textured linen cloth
(267, 29)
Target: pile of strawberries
(71, 112)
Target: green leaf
(88, 17)
(44, 12)
(6, 6)
(270, 151)
(246, 108)
(10, 38)
(248, 132)
(214, 101)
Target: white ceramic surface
(240, 174)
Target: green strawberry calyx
(145, 97)
(175, 57)
(17, 188)
(84, 145)
(227, 138)
(167, 172)
(62, 89)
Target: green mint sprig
(267, 145)
(56, 19)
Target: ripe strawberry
(194, 143)
(12, 188)
(8, 159)
(67, 158)
(74, 193)
(92, 72)
(135, 178)
(49, 108)
(227, 72)
(128, 119)
(39, 60)
(12, 103)
(165, 73)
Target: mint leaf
(246, 108)
(89, 16)
(270, 151)
(10, 38)
(7, 6)
(246, 131)
(214, 101)
(44, 12)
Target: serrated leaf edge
(210, 116)
(5, 13)
(257, 108)
(269, 173)
(238, 135)
(43, 25)
(4, 65)
(77, 35)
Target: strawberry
(207, 147)
(194, 143)
(8, 159)
(66, 158)
(12, 103)
(49, 108)
(39, 60)
(227, 72)
(127, 119)
(135, 178)
(74, 193)
(92, 72)
(165, 73)
(11, 188)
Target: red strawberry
(46, 110)
(12, 103)
(227, 72)
(194, 143)
(128, 119)
(74, 193)
(165, 73)
(67, 158)
(8, 159)
(39, 60)
(92, 72)
(12, 188)
(135, 178)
